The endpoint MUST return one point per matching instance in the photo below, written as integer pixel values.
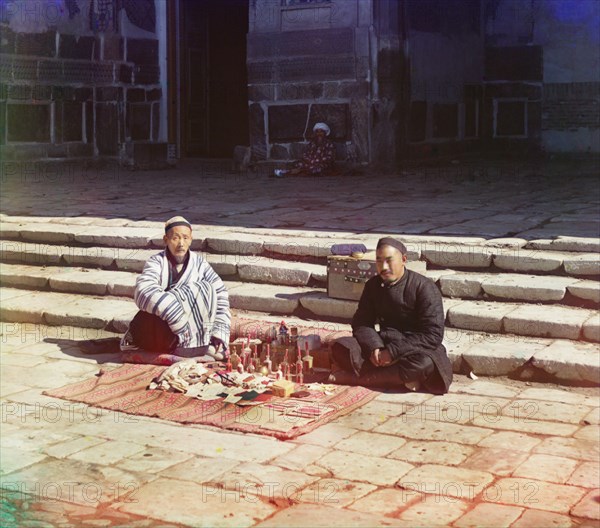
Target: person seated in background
(407, 349)
(184, 306)
(319, 157)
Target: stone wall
(308, 63)
(541, 80)
(446, 44)
(69, 93)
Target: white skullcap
(176, 221)
(322, 126)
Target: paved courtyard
(493, 199)
(493, 452)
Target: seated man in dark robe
(407, 350)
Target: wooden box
(346, 276)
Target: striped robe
(196, 308)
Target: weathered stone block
(480, 315)
(113, 48)
(570, 361)
(72, 121)
(125, 74)
(7, 42)
(142, 51)
(567, 243)
(500, 356)
(28, 122)
(584, 264)
(109, 93)
(279, 152)
(462, 285)
(264, 297)
(107, 131)
(231, 243)
(528, 260)
(146, 74)
(76, 47)
(287, 121)
(591, 328)
(287, 273)
(261, 92)
(335, 115)
(518, 63)
(257, 131)
(527, 287)
(546, 321)
(300, 91)
(36, 44)
(448, 255)
(322, 305)
(23, 69)
(138, 121)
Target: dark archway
(213, 89)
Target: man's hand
(381, 357)
(219, 345)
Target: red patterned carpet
(125, 389)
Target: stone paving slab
(528, 492)
(194, 504)
(322, 516)
(489, 515)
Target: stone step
(247, 267)
(564, 255)
(482, 354)
(262, 270)
(519, 287)
(494, 317)
(15, 224)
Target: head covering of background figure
(176, 221)
(323, 127)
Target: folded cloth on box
(348, 249)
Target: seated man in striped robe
(184, 306)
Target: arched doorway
(211, 77)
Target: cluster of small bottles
(248, 360)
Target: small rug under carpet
(125, 389)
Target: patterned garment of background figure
(103, 15)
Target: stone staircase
(517, 307)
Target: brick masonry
(73, 95)
(568, 106)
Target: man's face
(178, 239)
(319, 135)
(390, 263)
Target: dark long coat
(411, 320)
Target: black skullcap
(389, 241)
(176, 221)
